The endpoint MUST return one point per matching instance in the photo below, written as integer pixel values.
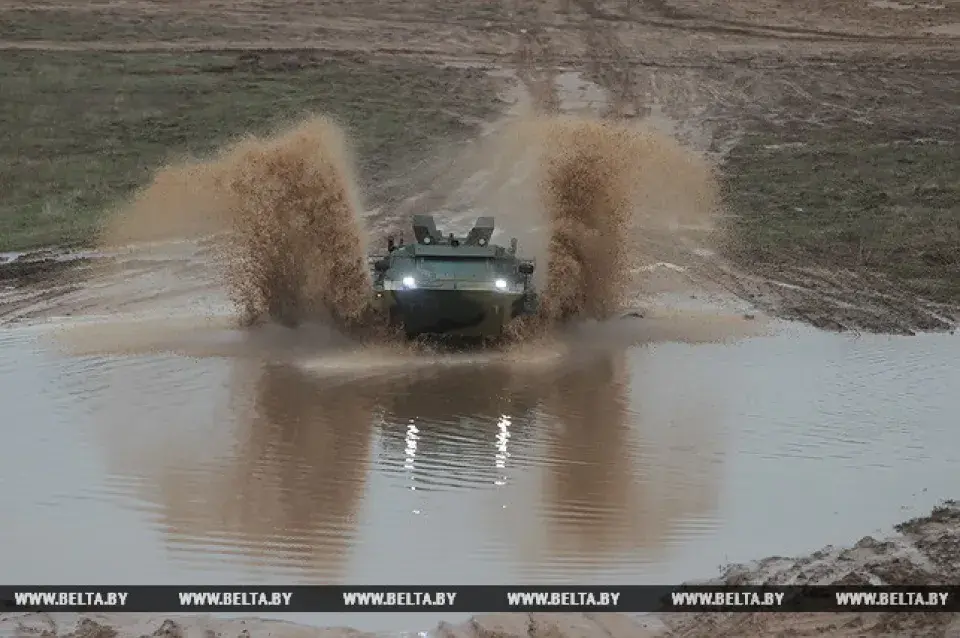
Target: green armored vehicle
(454, 287)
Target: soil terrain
(833, 123)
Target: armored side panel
(481, 232)
(425, 229)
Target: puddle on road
(651, 464)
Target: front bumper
(466, 313)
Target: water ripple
(645, 465)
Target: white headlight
(501, 284)
(409, 282)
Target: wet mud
(38, 267)
(924, 551)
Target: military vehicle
(461, 287)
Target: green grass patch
(72, 25)
(848, 198)
(82, 130)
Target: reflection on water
(592, 486)
(285, 468)
(287, 493)
(584, 460)
(604, 486)
(453, 424)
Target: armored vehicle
(463, 287)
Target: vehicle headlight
(409, 282)
(501, 284)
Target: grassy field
(66, 25)
(82, 130)
(843, 199)
(855, 170)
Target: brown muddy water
(144, 443)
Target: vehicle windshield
(443, 268)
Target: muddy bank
(29, 278)
(489, 626)
(37, 267)
(923, 550)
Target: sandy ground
(924, 550)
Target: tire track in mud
(931, 53)
(608, 60)
(834, 300)
(847, 301)
(640, 88)
(637, 91)
(661, 14)
(670, 17)
(533, 53)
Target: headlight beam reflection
(500, 458)
(410, 454)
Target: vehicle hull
(477, 314)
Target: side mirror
(526, 268)
(382, 265)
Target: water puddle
(583, 461)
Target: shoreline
(921, 551)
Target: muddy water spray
(609, 192)
(295, 250)
(597, 192)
